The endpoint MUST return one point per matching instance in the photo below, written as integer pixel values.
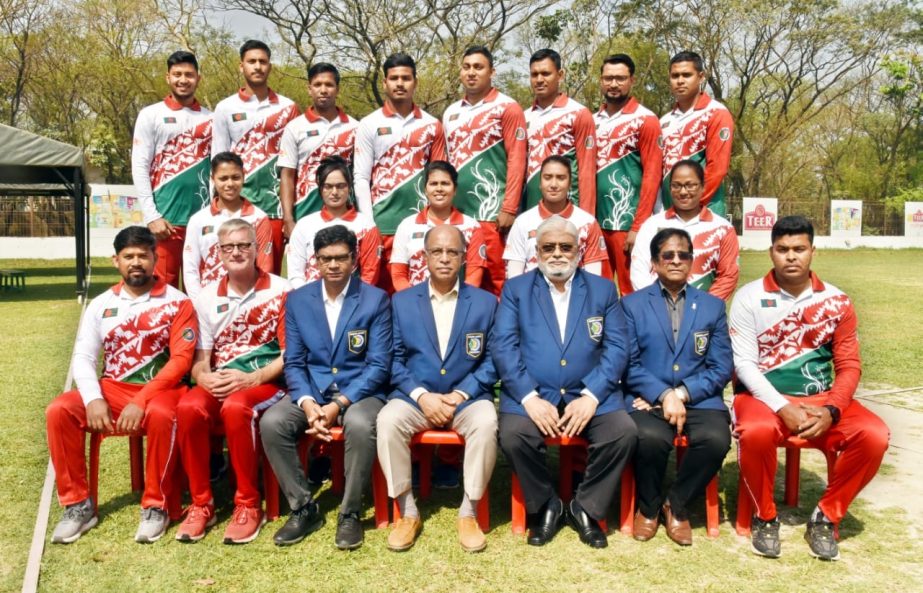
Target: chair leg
(627, 504)
(380, 496)
(95, 441)
(426, 469)
(270, 488)
(483, 512)
(792, 475)
(338, 469)
(518, 504)
(744, 508)
(566, 473)
(711, 508)
(136, 453)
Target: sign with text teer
(913, 219)
(758, 216)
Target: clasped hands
(575, 418)
(674, 410)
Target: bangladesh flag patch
(207, 230)
(223, 308)
(767, 303)
(384, 131)
(169, 120)
(724, 133)
(189, 334)
(238, 117)
(418, 235)
(312, 133)
(453, 117)
(110, 312)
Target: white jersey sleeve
(363, 159)
(288, 148)
(221, 133)
(517, 243)
(640, 269)
(742, 327)
(143, 147)
(400, 251)
(192, 256)
(86, 352)
(206, 339)
(298, 253)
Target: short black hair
(397, 61)
(333, 235)
(696, 167)
(616, 59)
(664, 235)
(182, 57)
(254, 44)
(226, 157)
(444, 166)
(792, 225)
(689, 56)
(329, 165)
(480, 49)
(546, 54)
(324, 68)
(134, 236)
(560, 159)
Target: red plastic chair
(379, 485)
(627, 506)
(565, 480)
(426, 442)
(793, 447)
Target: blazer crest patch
(357, 340)
(474, 344)
(700, 340)
(594, 326)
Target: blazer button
(334, 370)
(675, 367)
(563, 363)
(441, 371)
(563, 391)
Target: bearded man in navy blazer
(443, 377)
(680, 361)
(560, 346)
(337, 362)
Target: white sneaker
(154, 523)
(78, 519)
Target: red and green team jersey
(703, 134)
(253, 129)
(170, 160)
(628, 162)
(243, 332)
(486, 143)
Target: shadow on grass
(41, 292)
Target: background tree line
(827, 95)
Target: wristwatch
(834, 413)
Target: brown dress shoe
(404, 533)
(470, 535)
(678, 530)
(644, 528)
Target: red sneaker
(245, 525)
(198, 519)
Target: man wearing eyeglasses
(560, 346)
(337, 363)
(715, 265)
(443, 377)
(238, 374)
(679, 363)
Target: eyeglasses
(689, 187)
(438, 253)
(668, 256)
(242, 247)
(334, 186)
(549, 248)
(329, 259)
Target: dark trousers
(709, 436)
(612, 438)
(284, 423)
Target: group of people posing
(436, 221)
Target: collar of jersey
(312, 116)
(701, 103)
(246, 208)
(263, 281)
(327, 217)
(160, 287)
(560, 101)
(491, 95)
(705, 214)
(545, 213)
(630, 107)
(455, 217)
(175, 105)
(246, 95)
(770, 284)
(388, 111)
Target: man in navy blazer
(679, 363)
(443, 377)
(337, 362)
(560, 346)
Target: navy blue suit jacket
(359, 356)
(417, 361)
(529, 354)
(701, 358)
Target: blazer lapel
(659, 307)
(689, 312)
(575, 307)
(349, 307)
(428, 319)
(543, 298)
(458, 322)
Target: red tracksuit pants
(496, 267)
(169, 266)
(199, 415)
(67, 426)
(619, 260)
(278, 244)
(860, 438)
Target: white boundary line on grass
(37, 549)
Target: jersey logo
(520, 133)
(482, 251)
(417, 235)
(767, 303)
(474, 345)
(602, 244)
(453, 117)
(532, 234)
(268, 248)
(589, 142)
(169, 120)
(238, 117)
(207, 230)
(724, 133)
(223, 308)
(384, 131)
(189, 334)
(660, 142)
(356, 340)
(108, 313)
(700, 340)
(312, 133)
(594, 326)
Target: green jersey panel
(262, 189)
(809, 374)
(183, 195)
(482, 184)
(406, 199)
(618, 193)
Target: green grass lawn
(37, 328)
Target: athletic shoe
(764, 537)
(821, 540)
(78, 519)
(198, 519)
(154, 523)
(245, 525)
(349, 534)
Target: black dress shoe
(550, 519)
(299, 524)
(349, 532)
(586, 526)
